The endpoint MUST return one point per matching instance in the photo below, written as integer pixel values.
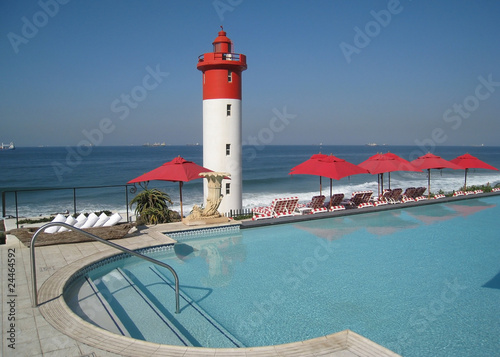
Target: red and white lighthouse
(222, 117)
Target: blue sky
(338, 72)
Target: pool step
(205, 328)
(140, 316)
(89, 303)
(150, 305)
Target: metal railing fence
(16, 193)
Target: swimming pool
(420, 281)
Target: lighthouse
(222, 147)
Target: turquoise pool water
(421, 281)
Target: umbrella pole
(378, 184)
(180, 194)
(331, 193)
(389, 180)
(465, 184)
(381, 183)
(428, 183)
(320, 185)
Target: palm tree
(152, 206)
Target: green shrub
(152, 206)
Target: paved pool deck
(52, 329)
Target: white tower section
(222, 149)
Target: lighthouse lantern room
(222, 117)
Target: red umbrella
(327, 166)
(381, 163)
(309, 165)
(177, 170)
(430, 161)
(467, 161)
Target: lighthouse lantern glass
(222, 47)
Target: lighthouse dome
(222, 43)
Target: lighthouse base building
(222, 148)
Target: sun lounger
(382, 199)
(316, 202)
(337, 208)
(361, 199)
(439, 196)
(473, 192)
(379, 203)
(266, 211)
(419, 194)
(458, 193)
(410, 193)
(365, 201)
(386, 195)
(103, 218)
(496, 189)
(396, 195)
(92, 218)
(280, 207)
(356, 198)
(335, 200)
(69, 220)
(316, 205)
(80, 220)
(113, 220)
(289, 207)
(60, 219)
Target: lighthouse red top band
(222, 70)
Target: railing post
(3, 204)
(74, 200)
(126, 200)
(17, 210)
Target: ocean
(265, 174)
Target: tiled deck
(53, 329)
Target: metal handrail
(111, 244)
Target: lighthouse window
(228, 188)
(228, 149)
(228, 110)
(229, 76)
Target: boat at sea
(7, 146)
(155, 144)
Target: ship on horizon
(7, 146)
